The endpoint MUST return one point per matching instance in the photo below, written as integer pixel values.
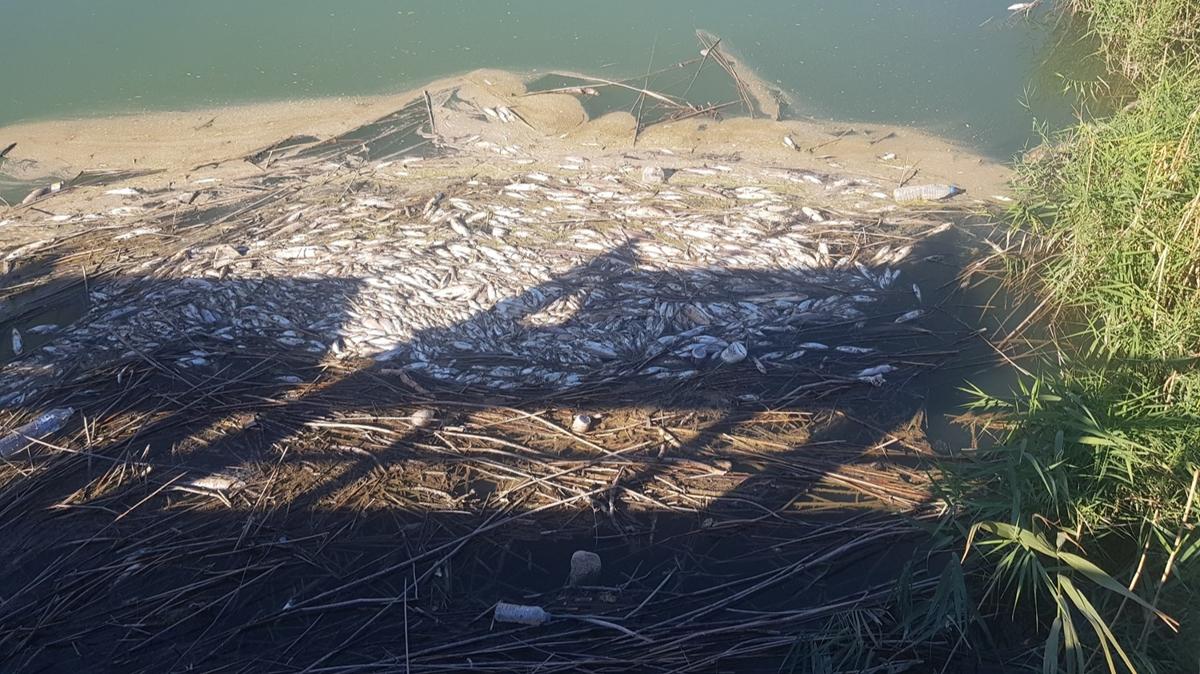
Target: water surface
(962, 68)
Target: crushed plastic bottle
(926, 192)
(39, 428)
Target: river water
(960, 68)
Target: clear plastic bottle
(926, 192)
(524, 615)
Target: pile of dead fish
(535, 281)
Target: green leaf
(1053, 641)
(1108, 642)
(1099, 577)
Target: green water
(961, 68)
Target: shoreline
(174, 142)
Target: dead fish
(787, 140)
(459, 228)
(35, 195)
(18, 345)
(371, 202)
(856, 350)
(134, 233)
(505, 114)
(734, 353)
(216, 483)
(876, 371)
(521, 187)
(910, 316)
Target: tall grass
(1140, 37)
(1118, 206)
(1087, 508)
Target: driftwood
(429, 110)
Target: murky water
(963, 68)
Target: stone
(585, 568)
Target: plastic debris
(20, 438)
(582, 423)
(422, 418)
(935, 192)
(524, 615)
(654, 175)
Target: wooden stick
(641, 101)
(728, 67)
(429, 109)
(652, 94)
(703, 60)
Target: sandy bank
(177, 142)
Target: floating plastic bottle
(926, 192)
(39, 428)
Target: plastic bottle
(926, 192)
(525, 615)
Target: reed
(1086, 507)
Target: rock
(585, 568)
(654, 175)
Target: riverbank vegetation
(1086, 508)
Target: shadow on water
(360, 541)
